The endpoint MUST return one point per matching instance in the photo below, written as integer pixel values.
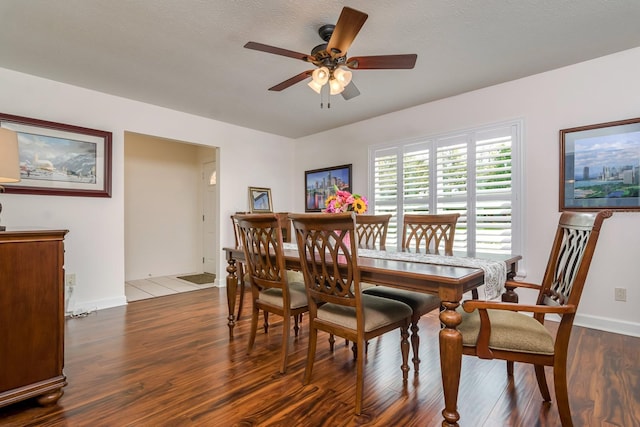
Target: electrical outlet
(70, 279)
(621, 294)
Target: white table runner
(495, 272)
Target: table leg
(232, 289)
(450, 361)
(510, 294)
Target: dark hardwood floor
(168, 361)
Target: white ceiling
(188, 55)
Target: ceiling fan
(330, 58)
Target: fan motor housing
(326, 31)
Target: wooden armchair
(421, 233)
(273, 287)
(495, 330)
(328, 255)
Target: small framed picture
(260, 200)
(599, 167)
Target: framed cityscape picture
(599, 166)
(319, 184)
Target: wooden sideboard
(31, 315)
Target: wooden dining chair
(428, 234)
(372, 231)
(372, 234)
(497, 330)
(285, 225)
(328, 255)
(273, 288)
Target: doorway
(164, 205)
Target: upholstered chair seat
(297, 295)
(378, 312)
(419, 302)
(510, 331)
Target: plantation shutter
(453, 184)
(494, 204)
(415, 179)
(471, 173)
(385, 189)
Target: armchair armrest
(470, 305)
(517, 284)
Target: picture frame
(599, 166)
(260, 200)
(60, 159)
(319, 185)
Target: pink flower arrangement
(343, 201)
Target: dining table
(447, 280)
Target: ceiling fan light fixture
(343, 76)
(320, 76)
(315, 86)
(336, 87)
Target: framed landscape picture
(599, 166)
(321, 183)
(59, 159)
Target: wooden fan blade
(383, 62)
(347, 28)
(277, 51)
(290, 82)
(350, 91)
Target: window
(475, 173)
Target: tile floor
(136, 290)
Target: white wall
(94, 247)
(597, 91)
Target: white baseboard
(91, 306)
(608, 325)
